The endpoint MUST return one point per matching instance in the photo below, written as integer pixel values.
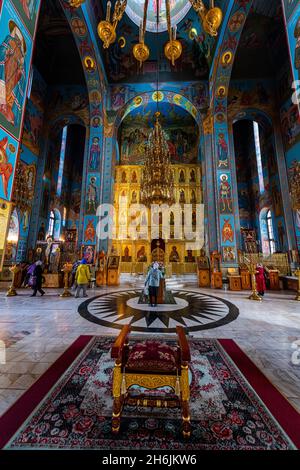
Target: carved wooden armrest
(117, 349)
(183, 344)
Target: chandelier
(157, 184)
(211, 19)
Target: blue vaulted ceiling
(198, 49)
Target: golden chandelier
(157, 185)
(211, 19)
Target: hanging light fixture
(141, 51)
(211, 18)
(173, 48)
(157, 183)
(107, 28)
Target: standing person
(38, 274)
(73, 273)
(260, 279)
(153, 281)
(29, 272)
(83, 277)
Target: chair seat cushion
(152, 356)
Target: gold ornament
(211, 19)
(106, 33)
(173, 50)
(107, 29)
(76, 3)
(141, 52)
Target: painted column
(82, 28)
(17, 33)
(225, 177)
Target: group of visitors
(81, 277)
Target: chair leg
(116, 416)
(186, 419)
(185, 397)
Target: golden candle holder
(252, 270)
(66, 270)
(297, 273)
(12, 290)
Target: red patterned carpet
(233, 406)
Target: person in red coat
(260, 279)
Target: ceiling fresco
(135, 11)
(262, 48)
(181, 130)
(198, 47)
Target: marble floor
(34, 332)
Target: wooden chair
(151, 364)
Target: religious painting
(229, 254)
(222, 150)
(249, 94)
(294, 39)
(15, 56)
(92, 197)
(89, 230)
(141, 254)
(89, 254)
(33, 123)
(225, 194)
(94, 155)
(294, 180)
(113, 262)
(290, 124)
(174, 255)
(276, 198)
(227, 230)
(5, 210)
(28, 10)
(181, 132)
(126, 256)
(8, 155)
(118, 97)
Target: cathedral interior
(139, 136)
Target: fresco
(198, 48)
(180, 128)
(225, 193)
(135, 11)
(92, 196)
(89, 230)
(294, 38)
(33, 123)
(15, 57)
(28, 10)
(290, 124)
(8, 154)
(250, 94)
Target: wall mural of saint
(94, 160)
(28, 10)
(15, 55)
(7, 162)
(12, 74)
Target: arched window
(258, 158)
(270, 228)
(51, 224)
(62, 160)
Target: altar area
(137, 253)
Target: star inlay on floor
(194, 311)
